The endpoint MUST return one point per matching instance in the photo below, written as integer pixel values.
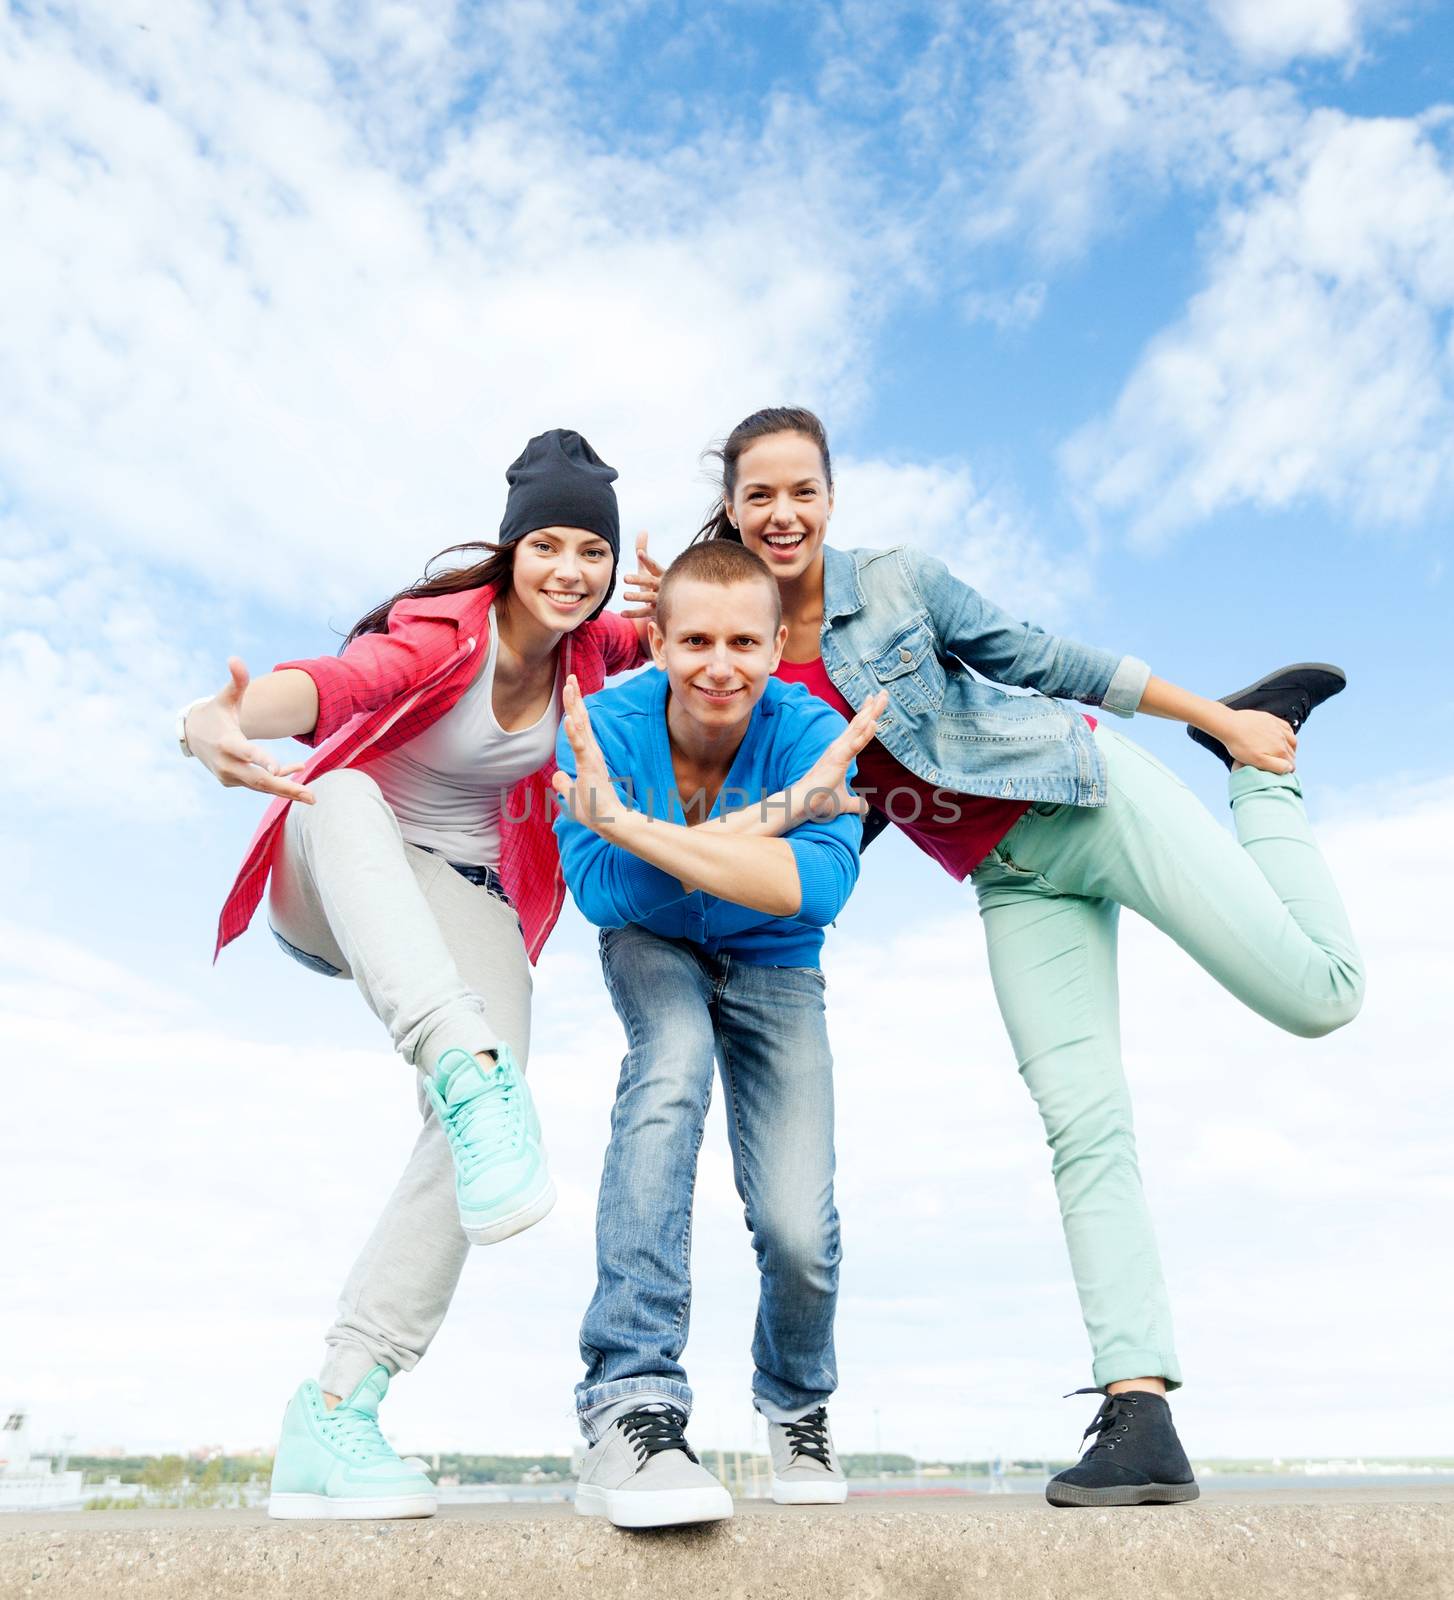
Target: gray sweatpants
(442, 964)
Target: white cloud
(1009, 310)
(1300, 1189)
(940, 508)
(1273, 32)
(1316, 364)
(45, 976)
(1104, 109)
(252, 349)
(92, 672)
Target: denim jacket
(899, 620)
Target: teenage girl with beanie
(1058, 822)
(414, 854)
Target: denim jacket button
(906, 655)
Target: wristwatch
(182, 716)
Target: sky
(1139, 316)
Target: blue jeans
(681, 1007)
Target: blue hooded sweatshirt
(788, 731)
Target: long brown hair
(496, 569)
(773, 419)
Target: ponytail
(718, 525)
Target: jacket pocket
(910, 669)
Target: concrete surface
(1356, 1544)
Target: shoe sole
(792, 1493)
(524, 1216)
(653, 1508)
(1145, 1494)
(325, 1508)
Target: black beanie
(558, 481)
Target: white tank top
(447, 785)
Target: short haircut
(721, 562)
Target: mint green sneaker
(336, 1464)
(501, 1181)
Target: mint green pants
(1258, 912)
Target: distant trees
(868, 1465)
(163, 1472)
(503, 1469)
(171, 1471)
(206, 1483)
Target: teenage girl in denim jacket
(1058, 822)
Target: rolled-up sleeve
(1127, 685)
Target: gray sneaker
(805, 1470)
(643, 1474)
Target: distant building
(31, 1483)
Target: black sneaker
(1136, 1458)
(1290, 693)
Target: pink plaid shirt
(387, 687)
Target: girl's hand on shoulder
(589, 797)
(214, 735)
(640, 587)
(1258, 739)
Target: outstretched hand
(640, 587)
(589, 797)
(215, 737)
(824, 787)
(1259, 739)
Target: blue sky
(1140, 316)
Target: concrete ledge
(1329, 1545)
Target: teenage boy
(711, 928)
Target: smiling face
(781, 502)
(719, 646)
(560, 576)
